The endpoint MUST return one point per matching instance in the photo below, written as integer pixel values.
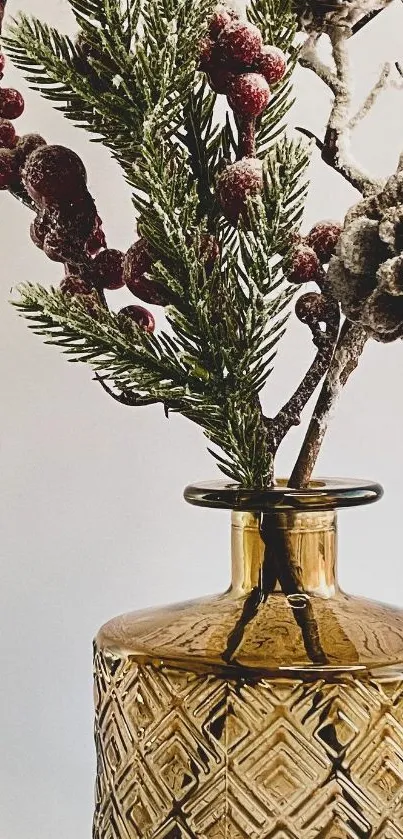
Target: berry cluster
(310, 254)
(238, 64)
(13, 149)
(313, 251)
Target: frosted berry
(240, 42)
(97, 240)
(249, 94)
(72, 285)
(323, 239)
(75, 219)
(7, 134)
(205, 53)
(306, 266)
(11, 103)
(238, 181)
(272, 64)
(2, 62)
(140, 316)
(7, 168)
(108, 269)
(54, 247)
(26, 145)
(220, 78)
(137, 263)
(222, 16)
(39, 228)
(54, 174)
(311, 309)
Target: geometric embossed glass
(273, 711)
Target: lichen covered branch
(335, 149)
(345, 360)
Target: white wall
(92, 518)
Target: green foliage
(143, 97)
(126, 76)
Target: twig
(364, 21)
(310, 59)
(132, 400)
(373, 95)
(345, 360)
(335, 148)
(290, 414)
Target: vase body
(273, 711)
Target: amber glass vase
(273, 711)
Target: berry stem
(345, 360)
(246, 137)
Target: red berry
(306, 266)
(97, 239)
(140, 316)
(72, 285)
(7, 134)
(54, 174)
(272, 64)
(11, 103)
(38, 229)
(311, 309)
(249, 94)
(222, 15)
(7, 168)
(240, 42)
(205, 54)
(108, 269)
(220, 78)
(26, 145)
(323, 239)
(2, 62)
(137, 263)
(236, 183)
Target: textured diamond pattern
(187, 756)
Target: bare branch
(372, 97)
(291, 412)
(335, 149)
(345, 360)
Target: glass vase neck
(293, 552)
(285, 539)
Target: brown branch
(290, 413)
(364, 21)
(345, 360)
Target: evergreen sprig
(143, 96)
(126, 72)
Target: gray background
(92, 517)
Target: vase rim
(320, 494)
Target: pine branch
(224, 320)
(126, 77)
(112, 345)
